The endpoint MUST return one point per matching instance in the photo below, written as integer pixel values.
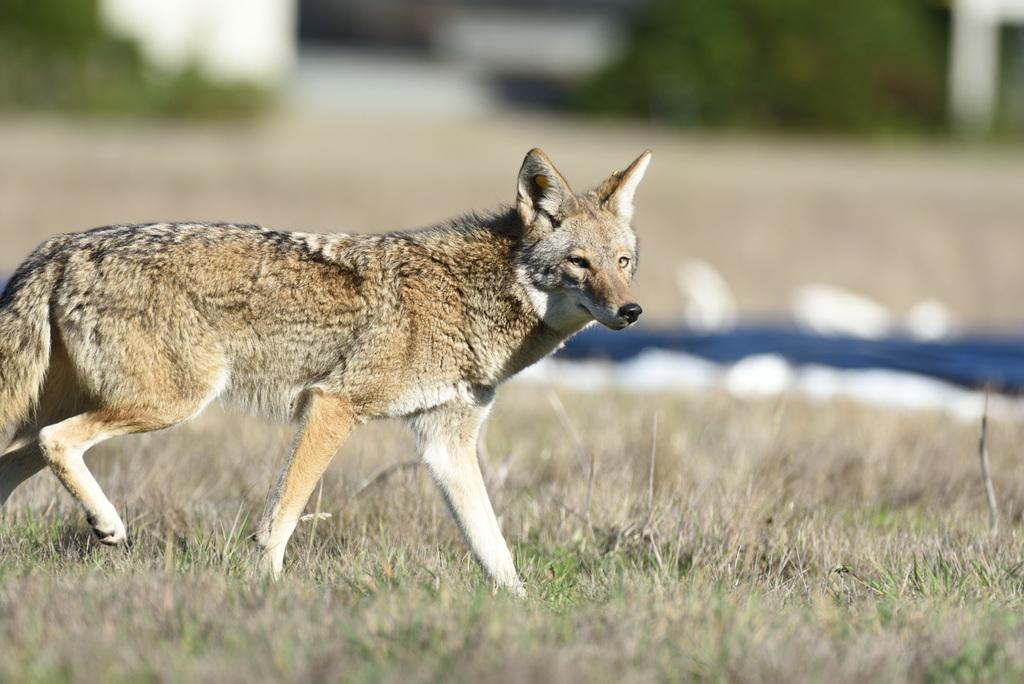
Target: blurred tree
(848, 65)
(57, 54)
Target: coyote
(133, 328)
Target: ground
(776, 541)
(780, 541)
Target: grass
(781, 541)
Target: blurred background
(853, 166)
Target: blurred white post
(227, 40)
(974, 58)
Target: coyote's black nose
(630, 312)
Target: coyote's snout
(129, 329)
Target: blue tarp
(973, 361)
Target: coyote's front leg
(446, 438)
(326, 422)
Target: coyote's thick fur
(129, 329)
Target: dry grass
(786, 542)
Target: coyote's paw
(269, 568)
(109, 531)
(514, 588)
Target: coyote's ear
(542, 195)
(616, 193)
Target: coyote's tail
(24, 343)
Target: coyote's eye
(623, 261)
(579, 262)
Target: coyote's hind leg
(64, 444)
(326, 422)
(61, 398)
(17, 464)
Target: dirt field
(777, 541)
(898, 222)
